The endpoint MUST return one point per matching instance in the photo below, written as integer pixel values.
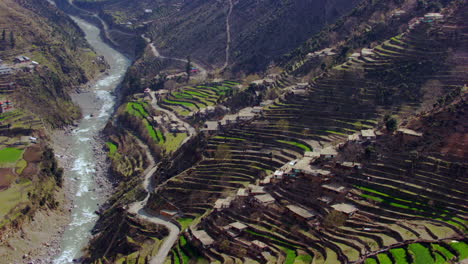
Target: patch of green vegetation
(439, 259)
(112, 148)
(137, 109)
(384, 258)
(370, 261)
(290, 255)
(445, 252)
(399, 255)
(336, 133)
(179, 103)
(303, 259)
(20, 166)
(172, 142)
(421, 254)
(304, 147)
(152, 132)
(461, 248)
(10, 155)
(184, 222)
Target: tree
(334, 219)
(391, 124)
(12, 40)
(188, 68)
(3, 35)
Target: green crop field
(304, 147)
(10, 155)
(421, 254)
(399, 255)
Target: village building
(256, 190)
(302, 85)
(347, 165)
(367, 52)
(368, 134)
(279, 174)
(6, 106)
(319, 173)
(148, 11)
(235, 229)
(432, 17)
(210, 126)
(259, 247)
(300, 213)
(354, 137)
(325, 199)
(257, 109)
(335, 187)
(202, 238)
(398, 13)
(21, 59)
(223, 203)
(345, 208)
(328, 153)
(322, 53)
(312, 154)
(266, 103)
(264, 199)
(168, 213)
(246, 116)
(242, 192)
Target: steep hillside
(64, 59)
(44, 57)
(323, 174)
(260, 31)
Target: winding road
(137, 208)
(202, 74)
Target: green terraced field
(10, 155)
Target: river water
(97, 106)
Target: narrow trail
(201, 76)
(228, 35)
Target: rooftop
(203, 237)
(211, 125)
(265, 198)
(301, 211)
(334, 187)
(259, 244)
(238, 225)
(410, 132)
(329, 151)
(368, 133)
(345, 208)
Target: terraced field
(192, 99)
(409, 209)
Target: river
(97, 106)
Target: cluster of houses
(322, 53)
(428, 18)
(245, 114)
(8, 70)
